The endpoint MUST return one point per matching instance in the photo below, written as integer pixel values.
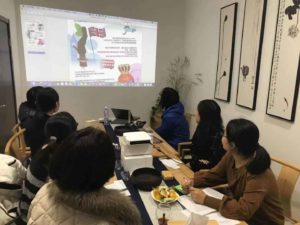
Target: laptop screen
(122, 114)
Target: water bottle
(106, 116)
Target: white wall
(281, 138)
(86, 103)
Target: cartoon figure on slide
(125, 76)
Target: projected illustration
(80, 48)
(68, 48)
(35, 37)
(102, 51)
(128, 29)
(125, 76)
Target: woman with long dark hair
(254, 195)
(207, 148)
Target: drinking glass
(163, 213)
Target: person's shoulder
(24, 104)
(45, 193)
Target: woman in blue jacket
(174, 128)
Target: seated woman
(57, 128)
(246, 169)
(174, 128)
(47, 103)
(207, 148)
(28, 108)
(80, 167)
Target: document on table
(221, 219)
(116, 185)
(213, 193)
(170, 163)
(191, 206)
(214, 216)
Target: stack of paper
(214, 216)
(191, 206)
(118, 185)
(170, 163)
(213, 193)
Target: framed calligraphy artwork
(228, 16)
(251, 47)
(285, 72)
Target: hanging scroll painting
(228, 16)
(285, 73)
(252, 38)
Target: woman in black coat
(207, 148)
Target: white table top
(151, 206)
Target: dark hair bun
(60, 126)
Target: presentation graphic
(69, 48)
(35, 35)
(107, 52)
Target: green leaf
(78, 30)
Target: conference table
(143, 200)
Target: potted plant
(179, 80)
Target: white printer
(136, 149)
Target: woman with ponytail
(57, 128)
(253, 189)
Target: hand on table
(205, 162)
(187, 184)
(197, 195)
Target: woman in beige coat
(80, 167)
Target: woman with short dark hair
(174, 128)
(246, 169)
(80, 167)
(47, 103)
(207, 148)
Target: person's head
(47, 100)
(31, 96)
(209, 113)
(241, 137)
(168, 97)
(60, 126)
(84, 161)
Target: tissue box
(131, 163)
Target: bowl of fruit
(164, 194)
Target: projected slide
(66, 48)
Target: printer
(136, 149)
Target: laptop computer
(122, 116)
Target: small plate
(165, 200)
